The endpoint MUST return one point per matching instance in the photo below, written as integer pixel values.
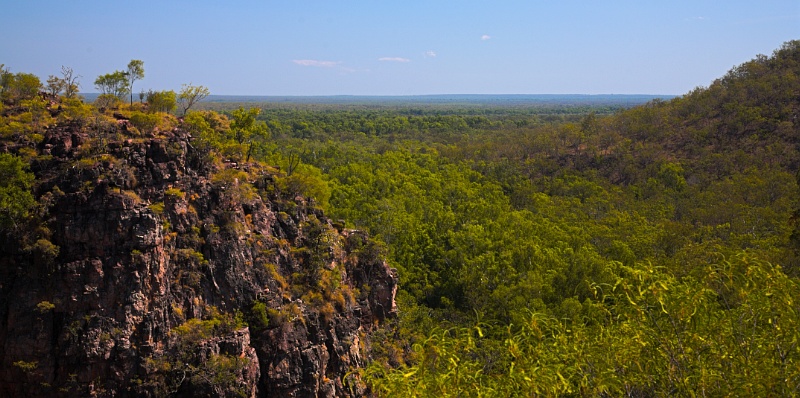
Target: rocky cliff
(152, 269)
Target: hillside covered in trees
(650, 251)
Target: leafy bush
(74, 109)
(45, 250)
(145, 122)
(16, 199)
(25, 366)
(157, 208)
(307, 181)
(45, 306)
(161, 101)
(215, 323)
(260, 319)
(107, 101)
(236, 184)
(20, 86)
(174, 193)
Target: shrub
(236, 183)
(25, 366)
(45, 250)
(196, 330)
(74, 109)
(157, 208)
(45, 306)
(193, 256)
(107, 101)
(161, 101)
(258, 314)
(174, 193)
(16, 199)
(216, 323)
(144, 122)
(272, 269)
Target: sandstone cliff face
(157, 272)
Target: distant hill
(751, 110)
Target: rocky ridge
(156, 271)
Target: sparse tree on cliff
(190, 95)
(246, 128)
(70, 80)
(54, 85)
(135, 72)
(5, 78)
(67, 85)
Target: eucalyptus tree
(115, 83)
(190, 95)
(135, 72)
(67, 85)
(247, 129)
(70, 82)
(54, 85)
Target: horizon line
(429, 95)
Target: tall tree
(66, 85)
(5, 78)
(54, 85)
(246, 128)
(115, 83)
(70, 80)
(21, 86)
(190, 95)
(135, 72)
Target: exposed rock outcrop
(158, 272)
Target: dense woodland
(557, 251)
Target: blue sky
(411, 47)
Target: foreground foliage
(732, 331)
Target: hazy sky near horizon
(410, 47)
